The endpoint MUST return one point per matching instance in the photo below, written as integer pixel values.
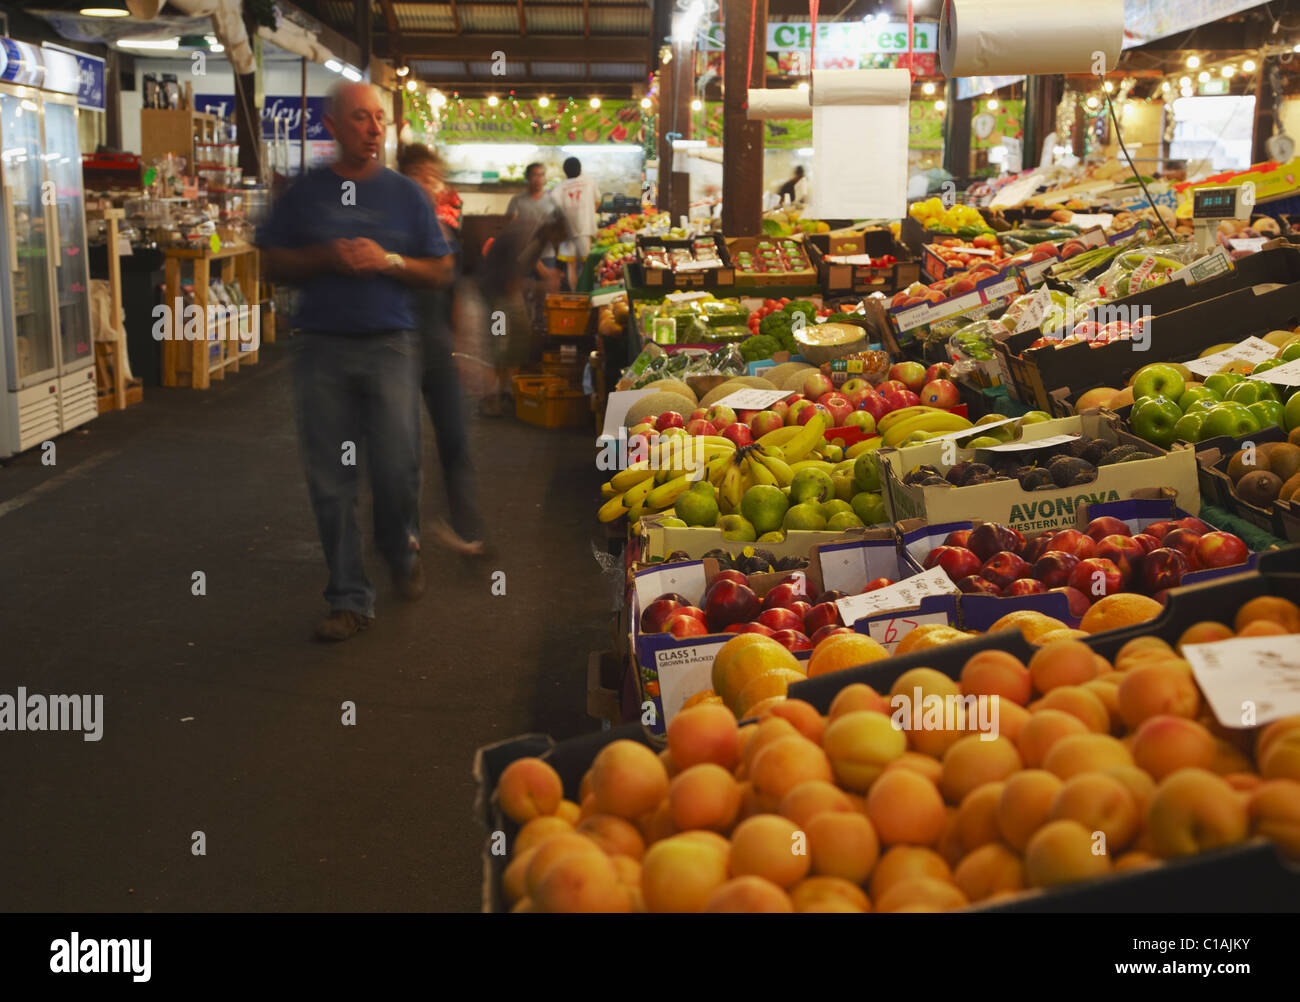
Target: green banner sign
(514, 120)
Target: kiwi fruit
(1238, 466)
(1289, 488)
(1294, 436)
(1284, 460)
(1259, 487)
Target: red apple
(1074, 542)
(910, 374)
(851, 386)
(800, 609)
(1024, 586)
(738, 433)
(699, 427)
(958, 537)
(766, 631)
(780, 619)
(744, 417)
(779, 409)
(891, 386)
(797, 408)
(699, 414)
(1158, 529)
(1187, 542)
(1036, 547)
(764, 422)
(989, 538)
(874, 404)
(956, 561)
(816, 384)
(657, 612)
(1004, 567)
(736, 576)
(1195, 524)
(1106, 526)
(1053, 568)
(726, 602)
(825, 614)
(1221, 549)
(940, 370)
(898, 399)
(940, 393)
(1124, 552)
(792, 640)
(1077, 600)
(681, 624)
(669, 419)
(782, 595)
(839, 407)
(807, 413)
(1147, 541)
(828, 631)
(830, 595)
(721, 416)
(875, 584)
(861, 420)
(976, 585)
(1096, 577)
(1163, 568)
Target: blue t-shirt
(388, 208)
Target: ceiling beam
(551, 88)
(542, 48)
(523, 25)
(455, 16)
(586, 18)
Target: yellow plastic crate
(549, 402)
(566, 314)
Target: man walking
(357, 238)
(577, 197)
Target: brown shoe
(341, 624)
(410, 584)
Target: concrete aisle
(221, 714)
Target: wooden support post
(115, 306)
(742, 140)
(1262, 128)
(956, 135)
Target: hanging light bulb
(1203, 76)
(1092, 102)
(645, 104)
(940, 105)
(1185, 82)
(1164, 85)
(1248, 66)
(1227, 72)
(696, 104)
(594, 102)
(927, 89)
(411, 85)
(992, 104)
(1108, 87)
(493, 101)
(1193, 62)
(403, 70)
(543, 101)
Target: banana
(612, 509)
(934, 423)
(759, 473)
(631, 476)
(607, 491)
(807, 440)
(887, 421)
(634, 514)
(779, 468)
(866, 445)
(636, 495)
(717, 469)
(666, 494)
(813, 464)
(779, 436)
(732, 489)
(714, 440)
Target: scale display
(1218, 203)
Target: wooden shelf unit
(110, 369)
(196, 363)
(175, 131)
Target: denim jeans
(363, 390)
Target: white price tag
(1263, 672)
(1214, 264)
(617, 405)
(751, 399)
(914, 317)
(1032, 317)
(686, 580)
(888, 633)
(1000, 289)
(1253, 350)
(124, 247)
(1286, 374)
(1036, 443)
(844, 568)
(904, 595)
(1035, 272)
(972, 432)
(956, 305)
(684, 671)
(1251, 244)
(1086, 221)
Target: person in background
(533, 207)
(441, 383)
(356, 238)
(577, 198)
(796, 188)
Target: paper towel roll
(788, 103)
(830, 87)
(1008, 37)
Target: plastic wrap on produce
(1009, 37)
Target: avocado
(1036, 478)
(1117, 454)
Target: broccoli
(804, 306)
(759, 347)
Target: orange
(846, 650)
(1119, 610)
(927, 636)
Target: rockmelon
(822, 343)
(673, 386)
(779, 375)
(734, 384)
(657, 403)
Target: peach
(568, 811)
(804, 716)
(670, 767)
(1025, 804)
(996, 673)
(905, 806)
(1108, 693)
(928, 767)
(529, 788)
(705, 796)
(921, 894)
(1244, 782)
(842, 844)
(1282, 758)
(581, 883)
(977, 817)
(1140, 785)
(990, 869)
(1273, 608)
(773, 847)
(858, 696)
(512, 880)
(902, 862)
(1085, 753)
(1079, 702)
(859, 745)
(812, 797)
(1194, 810)
(539, 830)
(749, 895)
(771, 729)
(1272, 732)
(1100, 803)
(1205, 632)
(972, 761)
(1166, 744)
(1274, 810)
(1062, 662)
(555, 848)
(783, 764)
(1043, 730)
(950, 845)
(1135, 859)
(628, 779)
(657, 824)
(1063, 852)
(679, 873)
(1150, 690)
(816, 894)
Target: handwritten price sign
(889, 632)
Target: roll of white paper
(768, 104)
(837, 87)
(1009, 37)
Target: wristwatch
(394, 262)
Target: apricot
(539, 830)
(1244, 782)
(817, 894)
(1274, 811)
(749, 895)
(1227, 758)
(658, 823)
(529, 788)
(905, 806)
(1063, 852)
(1272, 732)
(1033, 626)
(1263, 628)
(680, 873)
(1079, 702)
(977, 817)
(705, 796)
(950, 845)
(1100, 803)
(555, 848)
(1135, 859)
(996, 673)
(512, 880)
(762, 692)
(670, 767)
(1085, 753)
(845, 650)
(921, 894)
(805, 801)
(704, 733)
(1043, 730)
(1025, 804)
(746, 656)
(584, 787)
(1062, 662)
(988, 870)
(628, 779)
(1205, 632)
(1154, 690)
(783, 764)
(1282, 758)
(522, 906)
(628, 870)
(858, 696)
(804, 716)
(859, 745)
(928, 767)
(773, 847)
(749, 805)
(1005, 718)
(927, 680)
(1194, 810)
(769, 730)
(842, 844)
(1273, 608)
(581, 883)
(1140, 785)
(902, 862)
(1108, 693)
(973, 761)
(1166, 744)
(588, 808)
(1141, 646)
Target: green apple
(1248, 391)
(870, 507)
(1196, 393)
(1189, 427)
(737, 528)
(866, 472)
(1290, 353)
(1203, 405)
(984, 442)
(804, 516)
(833, 453)
(1159, 379)
(1153, 418)
(764, 505)
(1220, 381)
(1035, 417)
(843, 521)
(1268, 412)
(1264, 366)
(1229, 419)
(699, 505)
(672, 523)
(1003, 433)
(772, 537)
(1291, 413)
(811, 485)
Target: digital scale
(1210, 205)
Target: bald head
(355, 117)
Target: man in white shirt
(577, 197)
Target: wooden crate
(196, 363)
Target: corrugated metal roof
(553, 20)
(336, 12)
(514, 71)
(618, 71)
(553, 71)
(424, 16)
(438, 67)
(620, 21)
(478, 17)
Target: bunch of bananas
(898, 426)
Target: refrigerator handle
(11, 228)
(56, 242)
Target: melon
(656, 403)
(673, 386)
(734, 384)
(822, 343)
(780, 375)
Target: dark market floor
(222, 715)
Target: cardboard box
(862, 279)
(806, 275)
(666, 280)
(895, 327)
(1032, 511)
(1212, 458)
(657, 541)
